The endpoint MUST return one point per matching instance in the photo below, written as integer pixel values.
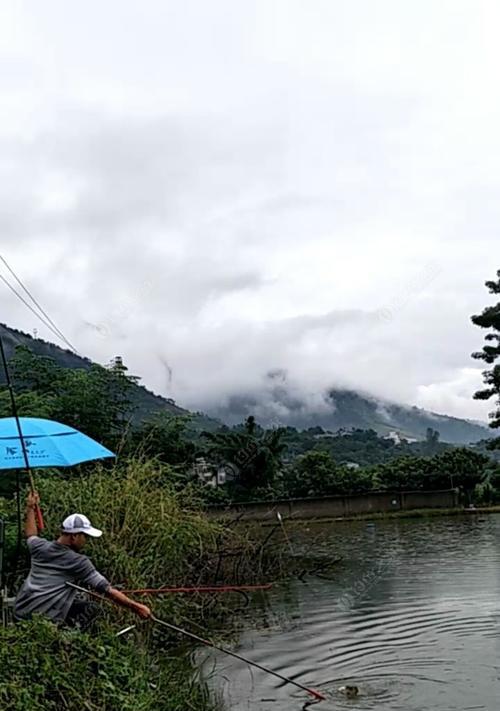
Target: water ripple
(411, 616)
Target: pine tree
(490, 319)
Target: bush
(45, 668)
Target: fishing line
(280, 519)
(28, 293)
(47, 321)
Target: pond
(411, 615)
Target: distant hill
(346, 409)
(145, 402)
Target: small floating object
(350, 691)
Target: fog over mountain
(279, 403)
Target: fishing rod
(38, 511)
(316, 694)
(202, 589)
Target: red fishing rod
(201, 589)
(316, 694)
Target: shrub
(45, 668)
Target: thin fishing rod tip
(317, 695)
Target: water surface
(411, 616)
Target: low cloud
(217, 193)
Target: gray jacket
(45, 591)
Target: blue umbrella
(42, 443)
(46, 443)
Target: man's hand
(121, 599)
(30, 522)
(143, 611)
(32, 500)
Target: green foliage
(360, 446)
(465, 469)
(217, 494)
(8, 516)
(363, 447)
(490, 354)
(410, 474)
(494, 478)
(29, 404)
(45, 668)
(153, 537)
(255, 454)
(166, 437)
(313, 474)
(429, 465)
(461, 468)
(317, 474)
(95, 400)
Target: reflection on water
(411, 616)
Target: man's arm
(120, 599)
(30, 527)
(91, 578)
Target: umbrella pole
(38, 511)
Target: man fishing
(53, 564)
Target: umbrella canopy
(48, 444)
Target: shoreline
(382, 515)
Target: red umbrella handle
(39, 518)
(38, 511)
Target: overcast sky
(215, 190)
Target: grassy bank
(153, 537)
(48, 669)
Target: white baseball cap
(78, 523)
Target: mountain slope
(345, 409)
(146, 402)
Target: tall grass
(152, 536)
